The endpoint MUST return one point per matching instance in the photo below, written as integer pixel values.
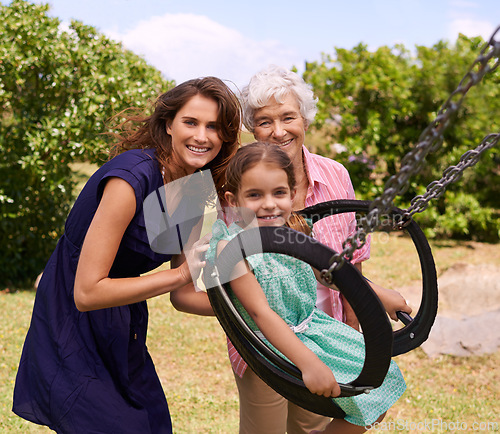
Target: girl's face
(283, 125)
(264, 194)
(195, 139)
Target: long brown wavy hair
(141, 132)
(249, 156)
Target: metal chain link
(436, 188)
(429, 141)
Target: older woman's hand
(392, 300)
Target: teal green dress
(290, 288)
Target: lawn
(445, 394)
(190, 355)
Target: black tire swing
(416, 329)
(380, 341)
(276, 371)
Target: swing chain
(429, 141)
(453, 173)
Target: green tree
(378, 103)
(57, 89)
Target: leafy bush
(376, 105)
(462, 217)
(57, 88)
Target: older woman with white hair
(278, 107)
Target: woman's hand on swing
(392, 300)
(189, 298)
(195, 259)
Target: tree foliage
(57, 89)
(376, 105)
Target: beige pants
(263, 411)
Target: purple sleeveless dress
(90, 372)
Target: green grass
(191, 357)
(14, 322)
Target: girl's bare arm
(317, 376)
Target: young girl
(281, 292)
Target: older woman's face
(281, 124)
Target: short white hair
(275, 81)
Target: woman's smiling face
(282, 124)
(195, 138)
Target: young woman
(279, 294)
(85, 366)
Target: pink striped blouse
(328, 180)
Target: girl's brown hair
(152, 129)
(249, 156)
